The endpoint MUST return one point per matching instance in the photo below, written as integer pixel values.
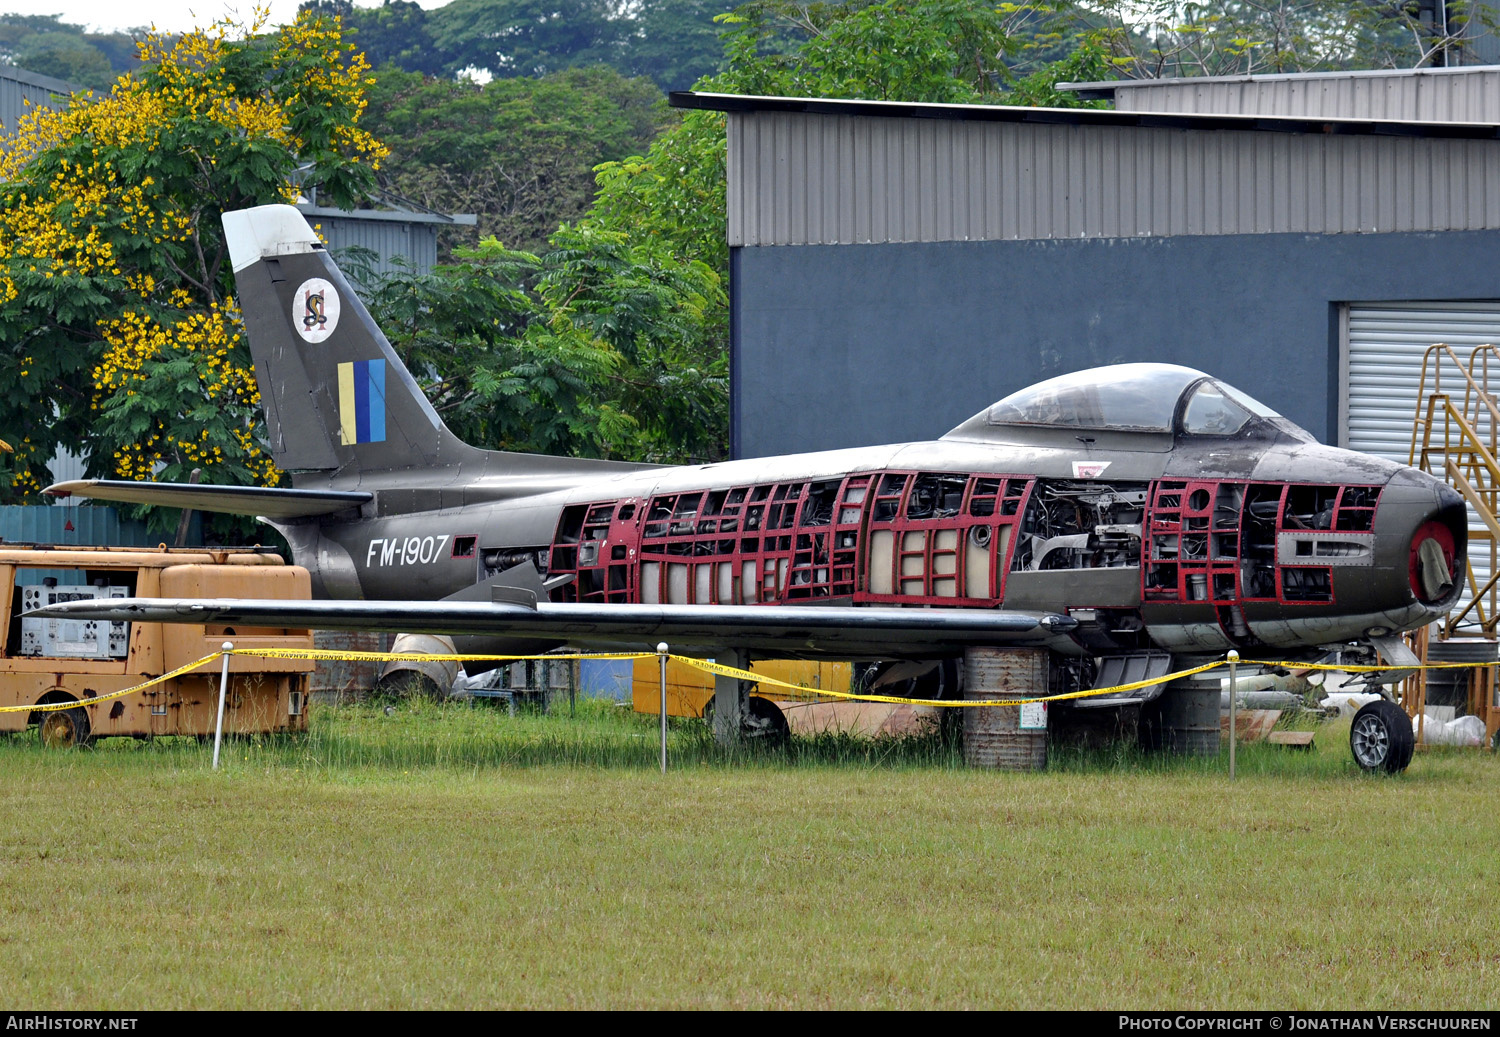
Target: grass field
(458, 857)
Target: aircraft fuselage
(1188, 544)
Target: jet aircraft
(1122, 513)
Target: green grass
(458, 857)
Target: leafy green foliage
(394, 33)
(523, 37)
(594, 348)
(671, 42)
(948, 51)
(1166, 38)
(51, 47)
(518, 152)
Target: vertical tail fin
(336, 396)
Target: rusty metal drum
(1190, 715)
(1005, 737)
(342, 680)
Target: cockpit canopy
(1162, 398)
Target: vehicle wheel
(914, 680)
(1381, 737)
(766, 723)
(65, 728)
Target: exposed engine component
(499, 561)
(1082, 525)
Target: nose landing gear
(1381, 737)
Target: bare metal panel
(416, 243)
(800, 178)
(1468, 94)
(21, 90)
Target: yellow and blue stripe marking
(362, 402)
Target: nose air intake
(1436, 555)
(1432, 575)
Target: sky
(168, 15)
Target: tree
(519, 152)
(524, 37)
(67, 57)
(671, 42)
(118, 329)
(894, 50)
(596, 348)
(394, 33)
(1151, 39)
(52, 47)
(675, 43)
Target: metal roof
(21, 75)
(742, 103)
(1468, 93)
(458, 219)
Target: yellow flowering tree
(119, 335)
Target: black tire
(766, 723)
(64, 728)
(1381, 738)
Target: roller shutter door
(1386, 343)
(1384, 373)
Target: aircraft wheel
(766, 723)
(1381, 737)
(65, 729)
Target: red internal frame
(795, 541)
(1217, 541)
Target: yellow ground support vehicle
(690, 690)
(47, 661)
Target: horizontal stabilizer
(269, 502)
(773, 630)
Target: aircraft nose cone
(1435, 549)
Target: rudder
(337, 398)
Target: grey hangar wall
(845, 345)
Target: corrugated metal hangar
(897, 267)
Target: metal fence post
(661, 655)
(1234, 687)
(226, 648)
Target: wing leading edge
(837, 632)
(270, 502)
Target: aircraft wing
(771, 630)
(271, 502)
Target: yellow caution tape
(723, 670)
(710, 667)
(750, 675)
(58, 707)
